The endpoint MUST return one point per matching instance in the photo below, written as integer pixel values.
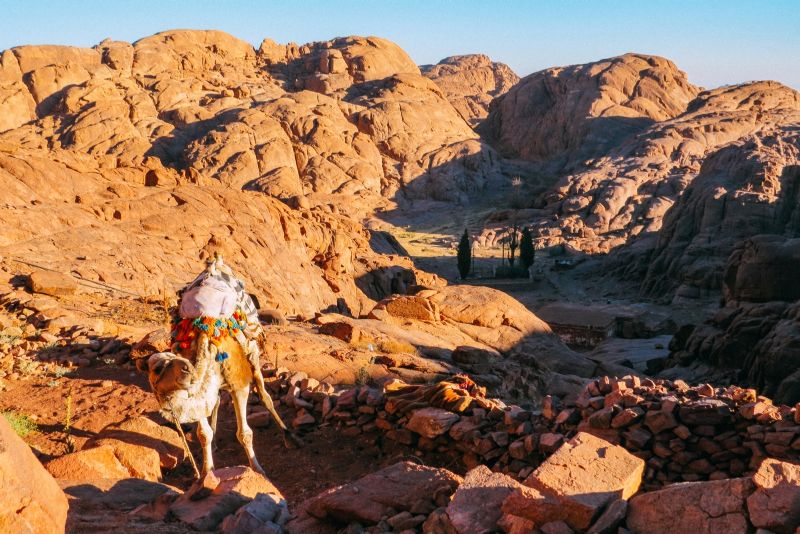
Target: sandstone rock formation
(576, 113)
(627, 151)
(756, 330)
(730, 143)
(130, 144)
(471, 82)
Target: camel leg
(290, 440)
(244, 433)
(214, 414)
(266, 399)
(205, 435)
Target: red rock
(549, 442)
(611, 518)
(88, 464)
(475, 506)
(510, 524)
(577, 482)
(30, 500)
(342, 330)
(141, 435)
(371, 497)
(626, 417)
(658, 421)
(775, 505)
(237, 486)
(698, 507)
(556, 527)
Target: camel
(190, 393)
(213, 354)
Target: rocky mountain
(640, 160)
(471, 82)
(567, 115)
(125, 163)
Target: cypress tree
(526, 250)
(464, 255)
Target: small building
(578, 325)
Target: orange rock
(237, 486)
(30, 500)
(775, 505)
(52, 283)
(93, 463)
(146, 435)
(577, 482)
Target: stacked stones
(689, 433)
(37, 334)
(682, 433)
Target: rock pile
(682, 433)
(587, 485)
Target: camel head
(168, 372)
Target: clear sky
(715, 41)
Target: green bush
(22, 424)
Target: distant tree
(526, 250)
(464, 255)
(513, 243)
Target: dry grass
(394, 346)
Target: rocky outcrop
(142, 158)
(627, 152)
(756, 330)
(470, 83)
(571, 114)
(31, 500)
(716, 170)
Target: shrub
(506, 271)
(22, 424)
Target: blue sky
(715, 41)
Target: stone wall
(683, 433)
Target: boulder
(143, 446)
(30, 501)
(88, 464)
(698, 507)
(399, 487)
(431, 422)
(347, 332)
(266, 514)
(237, 486)
(411, 307)
(473, 355)
(156, 341)
(775, 505)
(577, 482)
(52, 283)
(476, 505)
